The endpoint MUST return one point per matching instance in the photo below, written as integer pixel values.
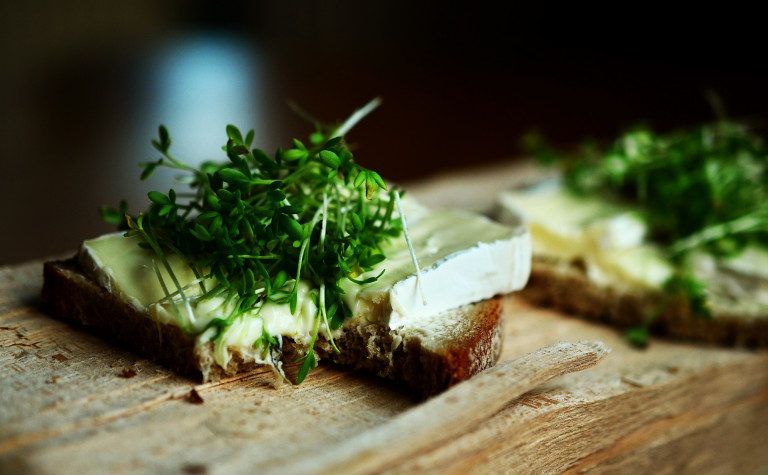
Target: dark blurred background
(85, 83)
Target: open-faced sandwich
(294, 257)
(657, 232)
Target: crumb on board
(128, 373)
(194, 397)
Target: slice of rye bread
(566, 286)
(447, 349)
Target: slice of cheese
(464, 258)
(608, 238)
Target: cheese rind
(464, 258)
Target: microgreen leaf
(294, 154)
(360, 178)
(330, 159)
(275, 196)
(297, 144)
(239, 150)
(115, 217)
(233, 133)
(316, 138)
(164, 141)
(371, 261)
(291, 227)
(230, 175)
(637, 336)
(377, 179)
(308, 364)
(159, 198)
(332, 142)
(149, 168)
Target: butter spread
(464, 258)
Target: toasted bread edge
(474, 343)
(567, 287)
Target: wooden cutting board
(72, 403)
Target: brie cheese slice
(464, 258)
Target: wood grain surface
(73, 403)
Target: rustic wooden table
(72, 403)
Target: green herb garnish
(700, 189)
(253, 228)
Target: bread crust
(566, 286)
(471, 343)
